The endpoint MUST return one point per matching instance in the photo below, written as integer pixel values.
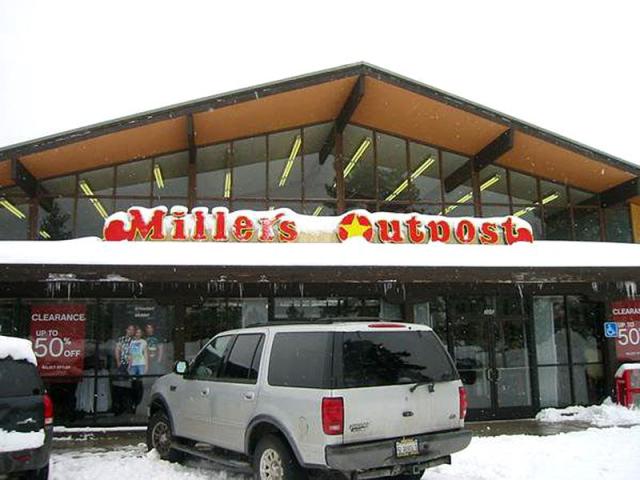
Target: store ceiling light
(12, 208)
(415, 174)
(550, 198)
(157, 173)
(318, 210)
(86, 189)
(44, 234)
(295, 148)
(227, 184)
(357, 156)
(465, 198)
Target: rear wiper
(423, 382)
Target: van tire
(158, 434)
(272, 452)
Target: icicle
(301, 288)
(594, 286)
(241, 289)
(519, 287)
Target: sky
(569, 67)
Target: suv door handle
(204, 392)
(249, 395)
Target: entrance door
(492, 355)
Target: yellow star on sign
(356, 228)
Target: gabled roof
(391, 103)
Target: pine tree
(55, 224)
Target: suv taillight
(48, 409)
(463, 402)
(333, 415)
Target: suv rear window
(301, 359)
(19, 379)
(371, 359)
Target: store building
(524, 322)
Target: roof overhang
(390, 103)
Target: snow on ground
(583, 455)
(15, 441)
(608, 414)
(16, 348)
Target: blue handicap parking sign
(610, 329)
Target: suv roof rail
(318, 321)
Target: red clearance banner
(626, 313)
(58, 332)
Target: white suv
(366, 400)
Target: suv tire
(274, 460)
(40, 474)
(159, 436)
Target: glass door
(491, 352)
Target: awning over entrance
(355, 260)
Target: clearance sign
(282, 225)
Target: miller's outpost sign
(283, 225)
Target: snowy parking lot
(610, 453)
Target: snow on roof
(17, 349)
(354, 252)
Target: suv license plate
(407, 447)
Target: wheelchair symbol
(610, 329)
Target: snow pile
(608, 414)
(16, 348)
(509, 457)
(15, 441)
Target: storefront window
(57, 222)
(14, 217)
(64, 186)
(205, 320)
(433, 314)
(618, 224)
(213, 167)
(134, 178)
(305, 308)
(285, 165)
(493, 185)
(8, 318)
(531, 214)
(425, 173)
(250, 168)
(524, 188)
(391, 165)
(586, 224)
(319, 180)
(171, 175)
(358, 163)
(90, 216)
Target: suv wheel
(273, 460)
(40, 474)
(159, 437)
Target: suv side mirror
(180, 367)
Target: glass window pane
(493, 185)
(425, 173)
(550, 330)
(553, 194)
(171, 175)
(463, 192)
(14, 217)
(319, 180)
(208, 362)
(57, 222)
(238, 365)
(90, 216)
(557, 223)
(618, 224)
(100, 182)
(123, 204)
(249, 167)
(319, 209)
(248, 205)
(555, 386)
(495, 210)
(60, 186)
(205, 320)
(285, 165)
(531, 214)
(581, 197)
(585, 326)
(586, 224)
(459, 210)
(358, 162)
(428, 209)
(397, 207)
(392, 169)
(305, 308)
(295, 206)
(301, 360)
(524, 188)
(588, 384)
(212, 167)
(134, 178)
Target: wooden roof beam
(620, 193)
(485, 157)
(25, 181)
(349, 107)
